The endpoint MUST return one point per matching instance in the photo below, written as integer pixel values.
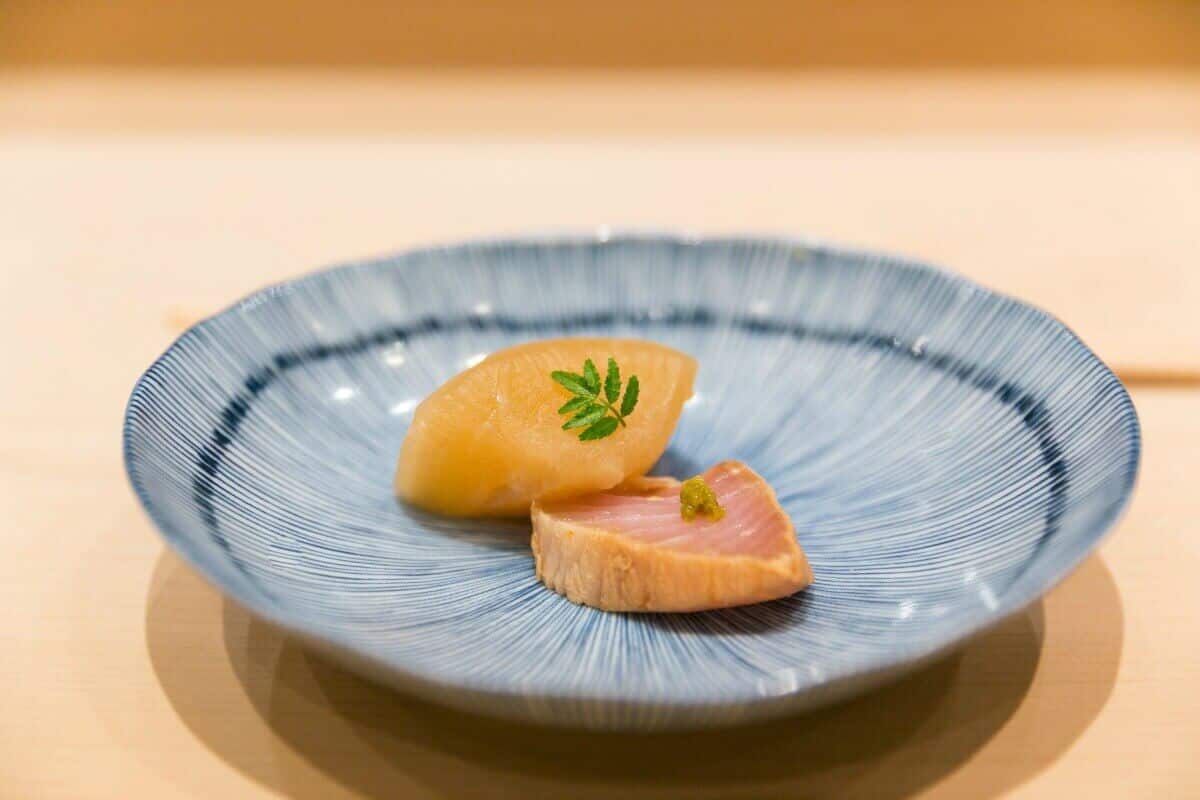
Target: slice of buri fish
(629, 549)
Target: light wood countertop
(122, 221)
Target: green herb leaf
(599, 430)
(596, 412)
(585, 417)
(612, 381)
(629, 401)
(574, 404)
(591, 377)
(575, 384)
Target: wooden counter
(130, 206)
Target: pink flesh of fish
(647, 510)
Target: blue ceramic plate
(947, 455)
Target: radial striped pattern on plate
(947, 455)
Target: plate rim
(865, 672)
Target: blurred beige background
(773, 34)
